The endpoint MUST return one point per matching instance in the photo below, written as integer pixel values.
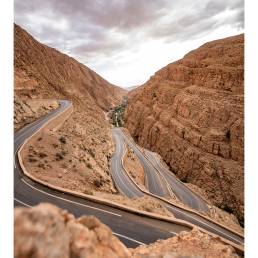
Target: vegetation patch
(118, 113)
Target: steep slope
(41, 71)
(26, 112)
(77, 155)
(191, 113)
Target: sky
(127, 41)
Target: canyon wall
(80, 160)
(43, 72)
(191, 113)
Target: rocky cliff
(191, 113)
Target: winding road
(182, 192)
(151, 164)
(132, 229)
(179, 213)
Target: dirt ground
(27, 111)
(134, 167)
(142, 203)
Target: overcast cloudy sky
(126, 41)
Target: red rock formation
(41, 71)
(47, 231)
(191, 113)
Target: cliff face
(191, 113)
(41, 71)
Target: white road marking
(14, 157)
(22, 202)
(116, 175)
(172, 232)
(129, 238)
(210, 226)
(117, 234)
(57, 197)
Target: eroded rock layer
(191, 113)
(44, 72)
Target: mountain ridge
(191, 113)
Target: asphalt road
(160, 177)
(132, 229)
(119, 176)
(183, 193)
(177, 211)
(153, 181)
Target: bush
(42, 155)
(97, 182)
(184, 180)
(89, 165)
(91, 152)
(228, 209)
(59, 156)
(62, 139)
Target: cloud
(199, 19)
(97, 32)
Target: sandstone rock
(47, 231)
(191, 113)
(28, 111)
(193, 244)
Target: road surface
(166, 179)
(154, 182)
(182, 192)
(119, 176)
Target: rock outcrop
(191, 113)
(27, 111)
(193, 244)
(49, 232)
(46, 231)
